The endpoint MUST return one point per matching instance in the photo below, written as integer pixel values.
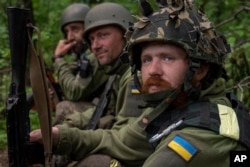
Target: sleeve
(79, 119)
(75, 87)
(191, 147)
(129, 144)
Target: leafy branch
(244, 83)
(235, 16)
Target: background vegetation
(230, 16)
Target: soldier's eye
(168, 58)
(104, 35)
(146, 60)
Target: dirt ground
(3, 158)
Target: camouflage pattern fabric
(183, 26)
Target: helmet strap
(192, 92)
(136, 78)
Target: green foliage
(4, 83)
(3, 137)
(4, 43)
(238, 68)
(231, 18)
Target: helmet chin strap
(134, 72)
(188, 88)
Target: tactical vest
(206, 115)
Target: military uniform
(207, 149)
(121, 111)
(130, 144)
(102, 15)
(79, 92)
(80, 84)
(201, 131)
(123, 86)
(106, 14)
(78, 87)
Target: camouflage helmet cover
(183, 26)
(75, 12)
(105, 14)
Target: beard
(79, 48)
(181, 99)
(155, 80)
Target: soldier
(105, 27)
(82, 81)
(188, 119)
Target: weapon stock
(17, 114)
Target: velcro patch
(182, 147)
(134, 89)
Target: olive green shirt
(75, 87)
(130, 145)
(123, 105)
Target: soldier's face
(164, 66)
(74, 32)
(106, 43)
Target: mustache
(80, 47)
(155, 80)
(100, 50)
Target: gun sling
(40, 92)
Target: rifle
(16, 111)
(102, 104)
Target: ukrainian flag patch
(134, 89)
(182, 147)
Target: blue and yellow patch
(134, 89)
(182, 147)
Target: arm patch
(182, 147)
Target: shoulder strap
(102, 104)
(205, 115)
(243, 117)
(40, 93)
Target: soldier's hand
(36, 136)
(64, 46)
(51, 93)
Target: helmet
(183, 26)
(74, 13)
(105, 14)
